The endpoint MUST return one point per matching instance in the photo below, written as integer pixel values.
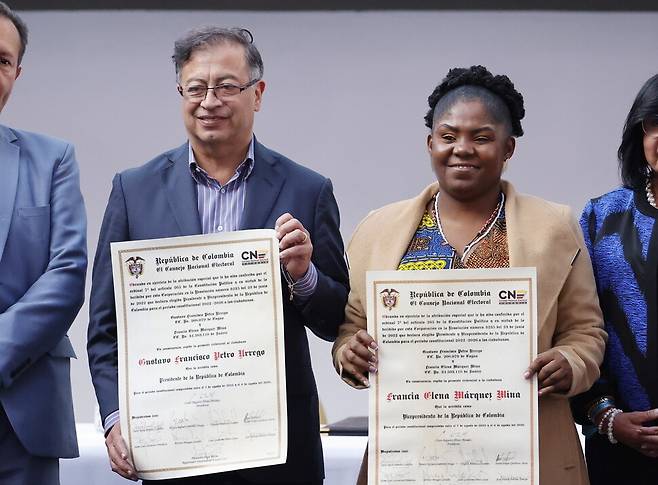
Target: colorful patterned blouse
(429, 249)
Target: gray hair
(8, 13)
(203, 37)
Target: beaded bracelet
(604, 418)
(611, 421)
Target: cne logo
(257, 256)
(513, 296)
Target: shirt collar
(247, 163)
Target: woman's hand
(359, 356)
(629, 429)
(554, 373)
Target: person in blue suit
(43, 262)
(223, 179)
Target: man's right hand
(359, 356)
(118, 453)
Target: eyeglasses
(650, 125)
(198, 92)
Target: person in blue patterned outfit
(619, 413)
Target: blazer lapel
(404, 224)
(9, 160)
(181, 192)
(263, 187)
(531, 243)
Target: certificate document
(202, 384)
(449, 403)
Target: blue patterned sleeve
(588, 224)
(581, 403)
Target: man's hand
(118, 453)
(295, 245)
(554, 373)
(359, 356)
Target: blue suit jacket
(158, 200)
(43, 262)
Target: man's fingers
(117, 469)
(291, 253)
(295, 246)
(120, 465)
(289, 227)
(296, 237)
(118, 454)
(124, 474)
(283, 218)
(120, 446)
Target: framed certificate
(449, 403)
(201, 353)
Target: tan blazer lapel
(378, 243)
(532, 244)
(397, 234)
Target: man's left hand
(295, 245)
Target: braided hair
(497, 93)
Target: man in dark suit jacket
(43, 261)
(223, 179)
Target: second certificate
(201, 353)
(449, 403)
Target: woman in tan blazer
(474, 118)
